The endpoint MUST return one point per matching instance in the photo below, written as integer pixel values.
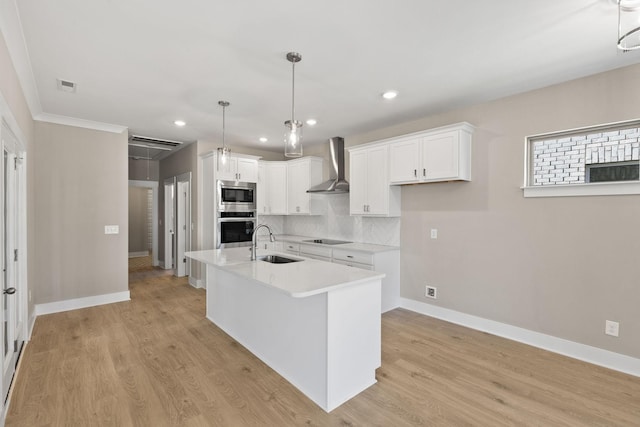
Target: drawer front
(318, 257)
(353, 256)
(353, 264)
(291, 247)
(315, 250)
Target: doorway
(151, 217)
(13, 308)
(177, 224)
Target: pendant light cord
(293, 93)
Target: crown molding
(81, 123)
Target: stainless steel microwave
(236, 196)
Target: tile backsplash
(338, 224)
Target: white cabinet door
(247, 169)
(404, 161)
(262, 197)
(303, 174)
(277, 188)
(298, 184)
(226, 172)
(440, 156)
(377, 181)
(358, 185)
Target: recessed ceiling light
(390, 94)
(263, 139)
(312, 122)
(179, 123)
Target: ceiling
(143, 64)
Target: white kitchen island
(315, 323)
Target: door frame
(185, 233)
(153, 185)
(11, 139)
(169, 223)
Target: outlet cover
(612, 328)
(431, 292)
(434, 233)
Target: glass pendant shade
(629, 24)
(224, 163)
(293, 133)
(293, 138)
(223, 159)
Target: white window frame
(581, 189)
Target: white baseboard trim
(196, 283)
(76, 303)
(586, 353)
(32, 322)
(138, 254)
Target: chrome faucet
(254, 242)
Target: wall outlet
(431, 292)
(434, 233)
(611, 328)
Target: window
(598, 160)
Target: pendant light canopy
(223, 152)
(293, 133)
(628, 24)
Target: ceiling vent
(66, 85)
(153, 142)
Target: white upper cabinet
(302, 174)
(370, 193)
(240, 169)
(276, 188)
(272, 188)
(442, 154)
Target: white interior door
(169, 218)
(12, 310)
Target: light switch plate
(111, 229)
(434, 233)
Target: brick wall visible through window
(566, 159)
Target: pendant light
(293, 134)
(223, 152)
(628, 24)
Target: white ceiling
(144, 63)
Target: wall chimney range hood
(336, 184)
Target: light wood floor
(156, 361)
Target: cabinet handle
(424, 172)
(349, 256)
(415, 173)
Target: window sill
(593, 189)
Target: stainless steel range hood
(336, 184)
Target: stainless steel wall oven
(236, 213)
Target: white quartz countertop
(297, 279)
(360, 247)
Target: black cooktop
(327, 241)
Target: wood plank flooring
(156, 361)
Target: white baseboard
(586, 353)
(138, 254)
(32, 322)
(196, 283)
(74, 304)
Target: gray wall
(559, 266)
(139, 219)
(81, 186)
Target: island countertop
(297, 279)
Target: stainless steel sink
(277, 259)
